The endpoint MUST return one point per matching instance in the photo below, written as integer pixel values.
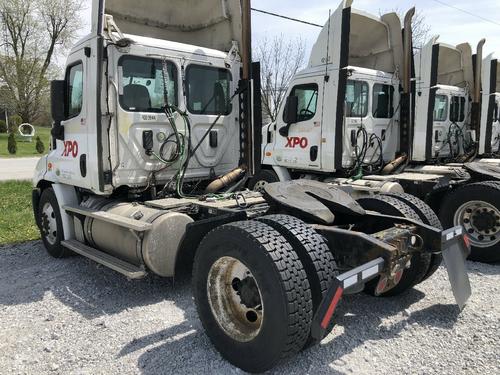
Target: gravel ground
(74, 317)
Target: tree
(12, 144)
(34, 30)
(280, 60)
(40, 147)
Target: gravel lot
(74, 317)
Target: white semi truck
(156, 128)
(358, 117)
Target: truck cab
(444, 80)
(111, 129)
(342, 115)
(450, 120)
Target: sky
(453, 26)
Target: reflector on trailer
(355, 277)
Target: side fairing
(488, 104)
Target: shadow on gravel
(27, 274)
(361, 316)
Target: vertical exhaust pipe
(475, 122)
(408, 50)
(406, 115)
(478, 73)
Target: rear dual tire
(288, 268)
(275, 288)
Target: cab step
(118, 265)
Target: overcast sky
(453, 26)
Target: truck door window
(142, 84)
(457, 109)
(356, 99)
(441, 108)
(208, 90)
(74, 90)
(308, 101)
(383, 101)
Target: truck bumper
(455, 249)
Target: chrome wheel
(481, 221)
(235, 299)
(49, 223)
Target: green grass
(16, 221)
(25, 149)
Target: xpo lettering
(293, 142)
(70, 148)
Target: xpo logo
(293, 142)
(70, 149)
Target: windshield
(142, 84)
(208, 90)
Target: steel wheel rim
(259, 186)
(481, 221)
(49, 223)
(242, 322)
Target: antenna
(328, 45)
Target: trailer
(367, 116)
(155, 136)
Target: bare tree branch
(280, 60)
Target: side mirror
(291, 109)
(290, 114)
(57, 106)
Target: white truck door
(69, 160)
(300, 148)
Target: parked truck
(360, 118)
(156, 128)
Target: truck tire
(419, 262)
(314, 254)
(427, 216)
(252, 295)
(51, 229)
(476, 207)
(264, 177)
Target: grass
(25, 149)
(16, 221)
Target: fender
(66, 195)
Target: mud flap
(348, 280)
(455, 251)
